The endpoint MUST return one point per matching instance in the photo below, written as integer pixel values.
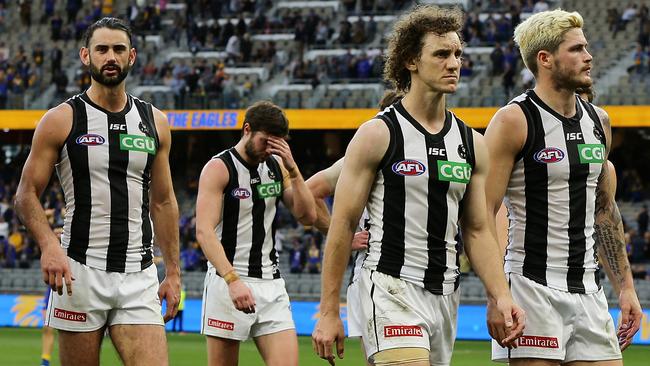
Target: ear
(544, 60)
(411, 65)
(84, 55)
(132, 56)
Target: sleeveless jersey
(416, 201)
(246, 229)
(551, 197)
(105, 172)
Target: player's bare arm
(49, 137)
(164, 214)
(505, 319)
(296, 195)
(610, 241)
(362, 156)
(209, 205)
(505, 137)
(322, 185)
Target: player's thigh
(279, 349)
(80, 348)
(140, 344)
(222, 351)
(595, 363)
(401, 357)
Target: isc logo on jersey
(90, 139)
(409, 168)
(549, 155)
(451, 171)
(269, 190)
(241, 193)
(591, 153)
(138, 143)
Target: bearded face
(110, 74)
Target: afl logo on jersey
(409, 168)
(90, 139)
(549, 155)
(241, 193)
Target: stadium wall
(27, 311)
(314, 119)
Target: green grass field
(21, 347)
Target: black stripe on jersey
(118, 163)
(434, 275)
(259, 206)
(391, 259)
(146, 113)
(78, 156)
(467, 136)
(231, 206)
(591, 112)
(274, 166)
(391, 143)
(536, 195)
(578, 175)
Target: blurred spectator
(4, 89)
(497, 58)
(540, 6)
(233, 49)
(297, 257)
(527, 78)
(467, 66)
(313, 259)
(48, 10)
(72, 8)
(25, 13)
(56, 27)
(642, 220)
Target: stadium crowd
(228, 27)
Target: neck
(241, 150)
(427, 107)
(113, 99)
(560, 99)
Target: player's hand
(631, 315)
(56, 268)
(327, 331)
(278, 146)
(360, 240)
(506, 321)
(241, 296)
(170, 290)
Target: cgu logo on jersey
(269, 190)
(591, 153)
(138, 143)
(549, 155)
(451, 171)
(241, 193)
(409, 168)
(90, 139)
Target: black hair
(110, 23)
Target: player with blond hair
(548, 151)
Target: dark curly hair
(407, 39)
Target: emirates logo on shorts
(402, 331)
(216, 323)
(69, 315)
(537, 341)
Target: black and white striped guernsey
(551, 197)
(416, 201)
(104, 169)
(247, 227)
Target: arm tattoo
(609, 234)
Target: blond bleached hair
(544, 31)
